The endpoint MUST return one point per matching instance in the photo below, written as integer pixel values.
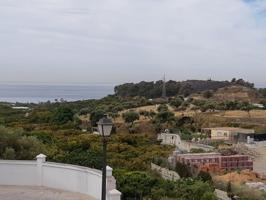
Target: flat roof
(210, 155)
(231, 129)
(199, 154)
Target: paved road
(38, 193)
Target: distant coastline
(43, 92)
(260, 85)
(35, 93)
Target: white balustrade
(59, 176)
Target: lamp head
(105, 126)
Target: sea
(37, 93)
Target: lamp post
(104, 127)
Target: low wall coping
(41, 163)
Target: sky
(116, 41)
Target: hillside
(174, 88)
(236, 93)
(230, 93)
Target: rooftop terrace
(38, 193)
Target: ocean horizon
(37, 93)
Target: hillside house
(231, 134)
(174, 139)
(169, 138)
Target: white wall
(18, 173)
(60, 176)
(174, 139)
(83, 180)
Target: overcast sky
(115, 41)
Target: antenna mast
(164, 88)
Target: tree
(207, 94)
(176, 102)
(134, 184)
(186, 89)
(183, 170)
(144, 113)
(165, 117)
(9, 153)
(152, 114)
(244, 83)
(196, 190)
(229, 190)
(89, 158)
(114, 115)
(130, 117)
(247, 107)
(162, 108)
(262, 92)
(264, 103)
(205, 176)
(164, 120)
(14, 145)
(208, 196)
(95, 117)
(63, 115)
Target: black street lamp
(104, 127)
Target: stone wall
(165, 173)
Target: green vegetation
(55, 129)
(176, 102)
(130, 117)
(130, 155)
(141, 185)
(185, 88)
(205, 105)
(15, 145)
(262, 92)
(264, 103)
(63, 115)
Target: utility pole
(164, 88)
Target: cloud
(131, 40)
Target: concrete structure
(58, 176)
(20, 108)
(175, 140)
(169, 139)
(258, 105)
(165, 173)
(215, 160)
(230, 134)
